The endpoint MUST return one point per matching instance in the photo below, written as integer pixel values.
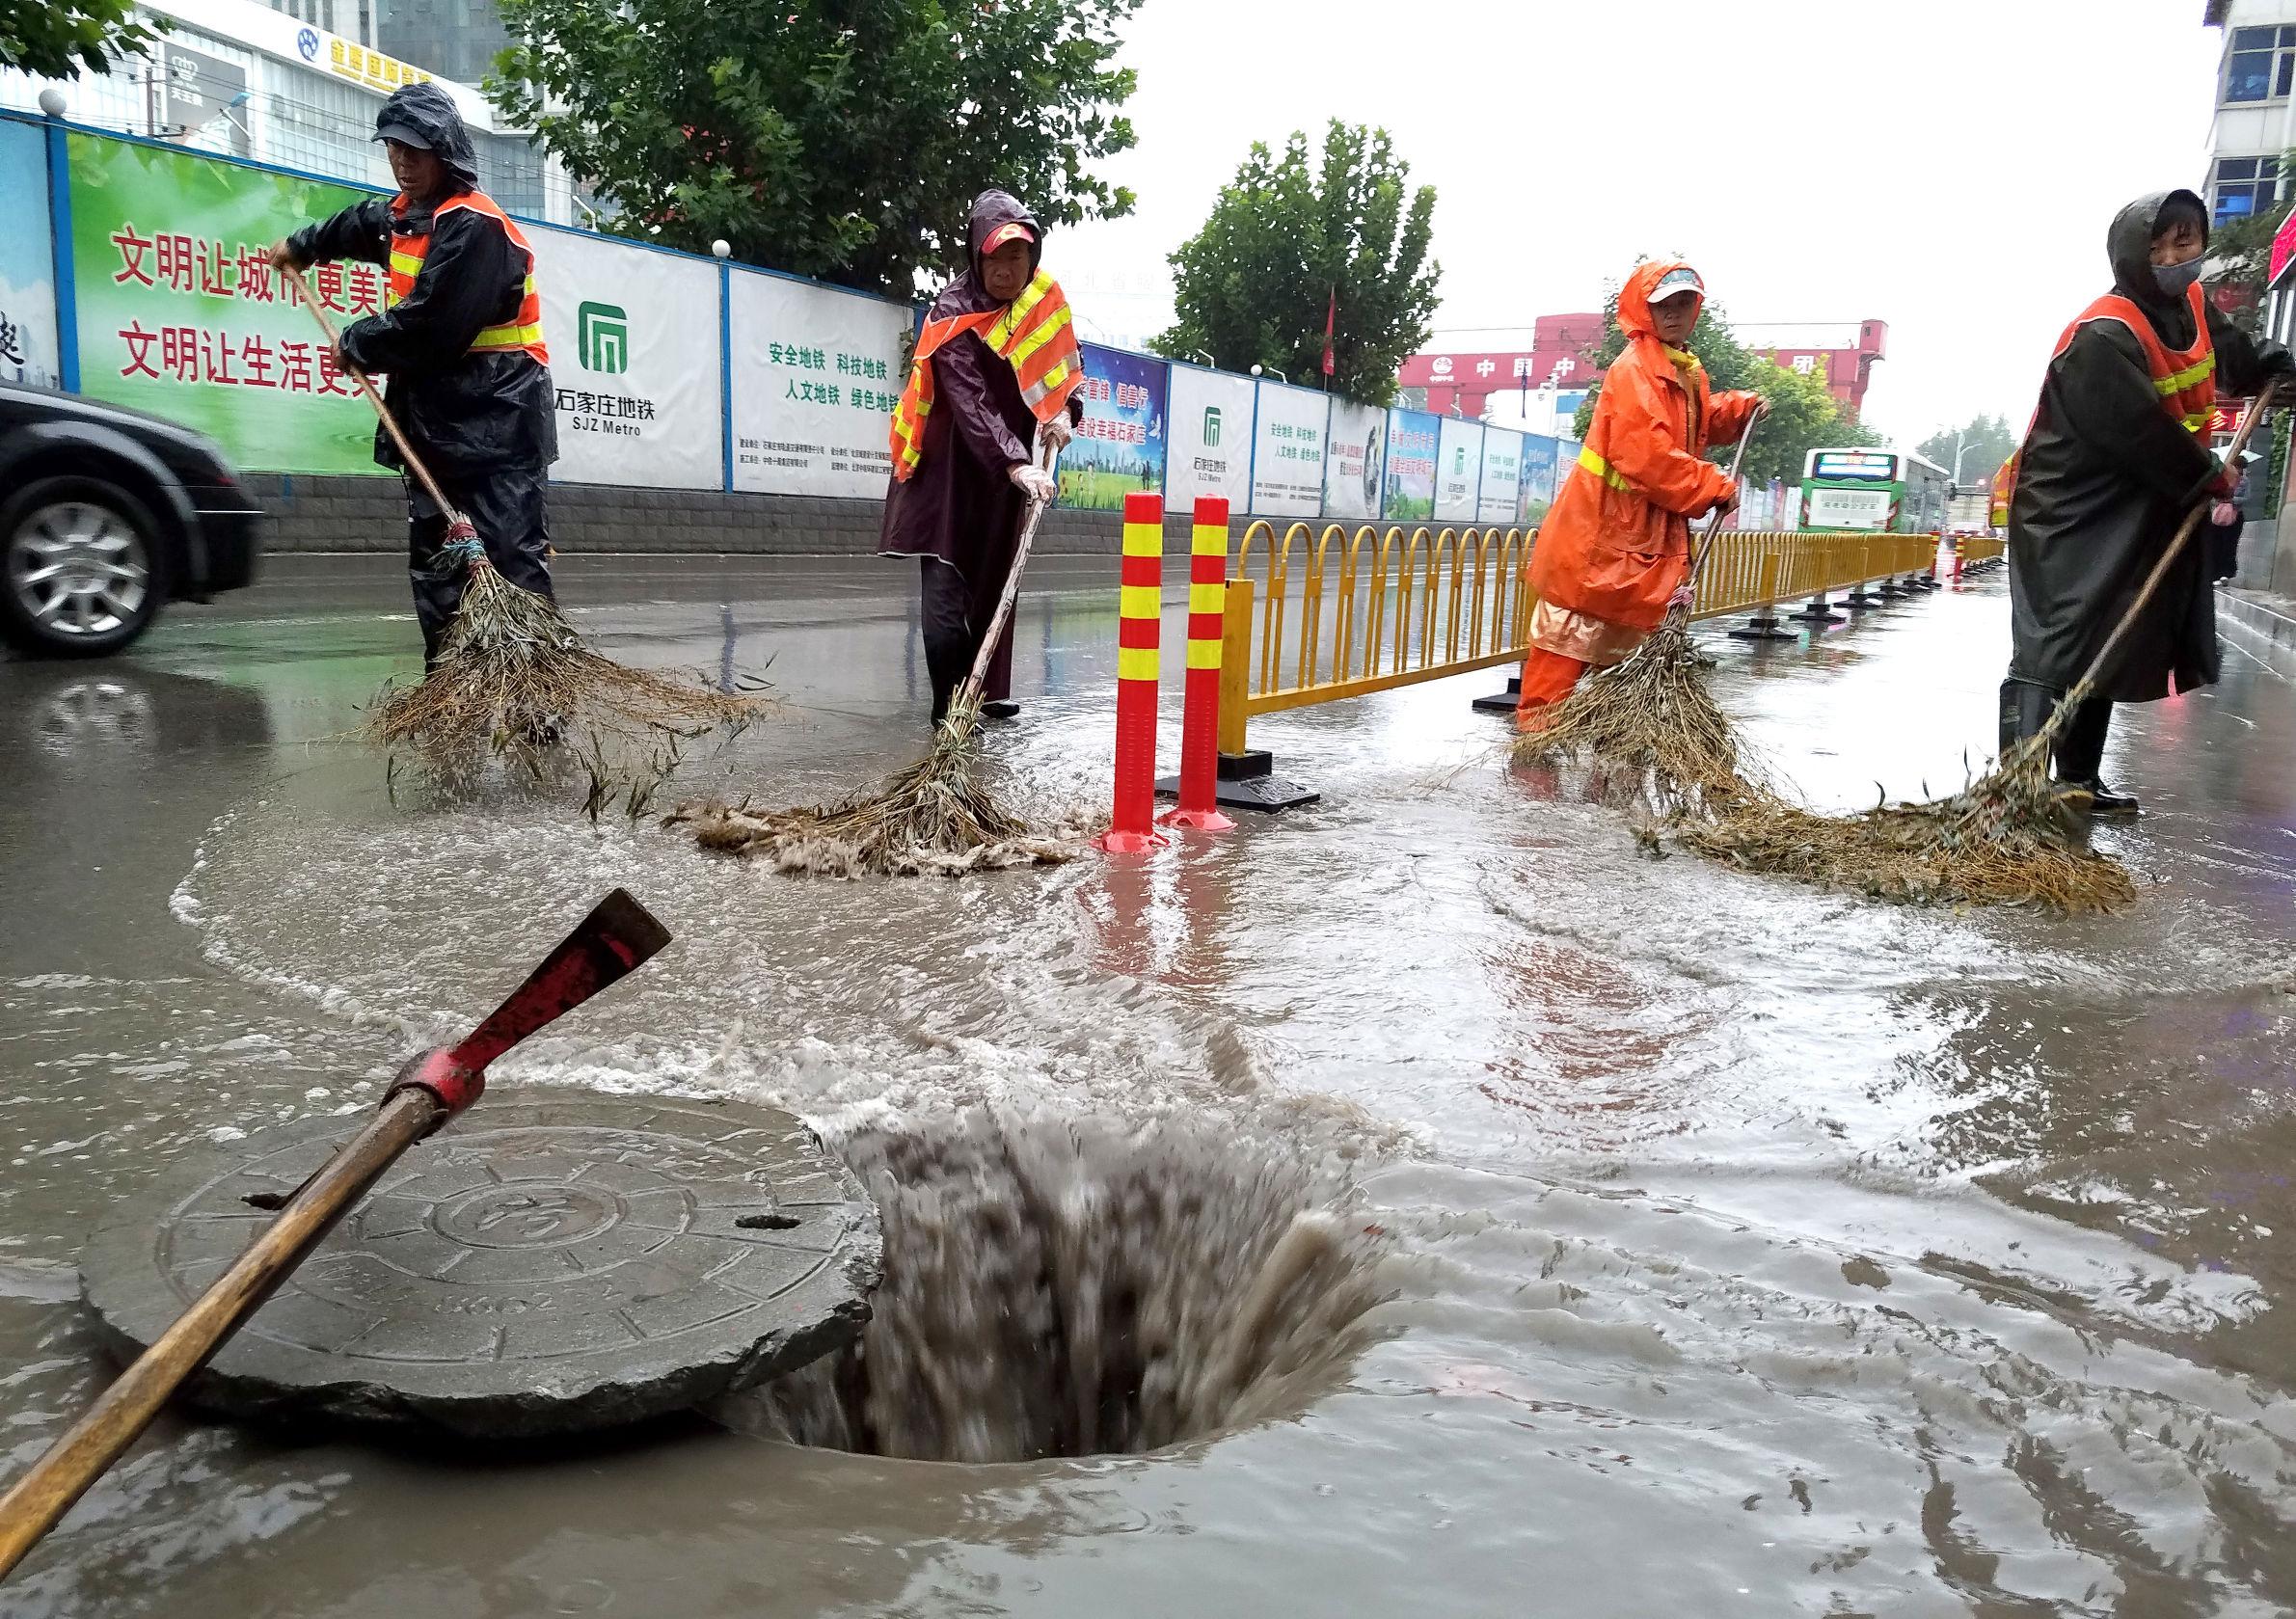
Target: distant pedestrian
(996, 362)
(2117, 455)
(2226, 522)
(1616, 546)
(460, 337)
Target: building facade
(1507, 384)
(278, 85)
(454, 39)
(2252, 126)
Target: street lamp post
(1280, 376)
(1209, 364)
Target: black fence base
(1502, 702)
(1819, 611)
(1890, 590)
(1248, 781)
(1858, 600)
(1762, 627)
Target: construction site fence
(1316, 614)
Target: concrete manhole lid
(551, 1261)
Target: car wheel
(79, 572)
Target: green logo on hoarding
(602, 337)
(1458, 461)
(1211, 425)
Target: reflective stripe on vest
(409, 249)
(1035, 334)
(2184, 380)
(1603, 470)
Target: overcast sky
(1947, 166)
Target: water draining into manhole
(1070, 1289)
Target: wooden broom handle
(617, 937)
(2168, 559)
(1714, 523)
(302, 284)
(968, 694)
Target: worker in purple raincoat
(964, 463)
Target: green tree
(1984, 442)
(1282, 247)
(2240, 257)
(62, 39)
(1800, 414)
(840, 139)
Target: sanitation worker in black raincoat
(461, 342)
(2117, 455)
(964, 467)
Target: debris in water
(1652, 716)
(933, 819)
(513, 680)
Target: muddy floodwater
(1595, 1234)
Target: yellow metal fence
(1315, 615)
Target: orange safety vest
(1034, 333)
(408, 248)
(2005, 484)
(2185, 379)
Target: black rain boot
(2081, 751)
(1000, 708)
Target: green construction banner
(180, 312)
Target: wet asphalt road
(1754, 1250)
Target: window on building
(2262, 64)
(2245, 186)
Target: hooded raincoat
(2106, 477)
(1616, 544)
(463, 411)
(960, 510)
(484, 423)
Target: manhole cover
(548, 1262)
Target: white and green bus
(1872, 492)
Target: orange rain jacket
(1617, 542)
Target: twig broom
(511, 674)
(1650, 714)
(935, 817)
(2011, 837)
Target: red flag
(1330, 320)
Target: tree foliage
(2240, 257)
(1283, 245)
(62, 39)
(1800, 415)
(840, 139)
(1984, 442)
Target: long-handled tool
(1704, 547)
(2102, 664)
(510, 672)
(1650, 717)
(2011, 837)
(933, 817)
(458, 526)
(964, 706)
(431, 1088)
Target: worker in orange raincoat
(1616, 548)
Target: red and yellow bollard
(1133, 827)
(1207, 627)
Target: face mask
(2176, 278)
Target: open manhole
(1068, 1289)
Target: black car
(104, 514)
